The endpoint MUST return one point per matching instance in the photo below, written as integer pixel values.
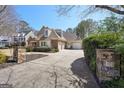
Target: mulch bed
(29, 57)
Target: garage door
(76, 45)
(61, 45)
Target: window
(43, 44)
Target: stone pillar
(21, 55)
(107, 64)
(15, 53)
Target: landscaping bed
(30, 57)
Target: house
(7, 38)
(73, 42)
(48, 38)
(23, 36)
(55, 38)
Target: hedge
(28, 49)
(41, 49)
(38, 49)
(102, 41)
(54, 50)
(113, 83)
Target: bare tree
(24, 26)
(8, 19)
(118, 9)
(64, 10)
(2, 8)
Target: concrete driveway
(63, 69)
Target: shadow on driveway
(81, 70)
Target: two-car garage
(77, 45)
(73, 42)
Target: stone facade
(107, 64)
(21, 55)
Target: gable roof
(53, 34)
(70, 36)
(25, 32)
(57, 34)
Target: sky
(46, 15)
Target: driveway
(65, 69)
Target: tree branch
(63, 10)
(112, 9)
(4, 7)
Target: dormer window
(46, 33)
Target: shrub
(54, 50)
(119, 48)
(113, 84)
(91, 43)
(38, 49)
(28, 49)
(41, 49)
(3, 58)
